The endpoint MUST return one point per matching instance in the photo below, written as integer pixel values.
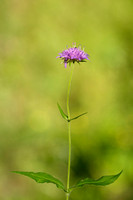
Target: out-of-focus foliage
(33, 136)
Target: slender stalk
(69, 133)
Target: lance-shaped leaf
(78, 116)
(62, 113)
(104, 180)
(41, 177)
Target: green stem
(69, 133)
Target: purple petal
(65, 64)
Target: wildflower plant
(68, 56)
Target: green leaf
(78, 116)
(62, 113)
(70, 63)
(83, 61)
(104, 180)
(41, 177)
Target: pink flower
(73, 54)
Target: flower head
(72, 55)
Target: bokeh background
(33, 136)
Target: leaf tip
(120, 172)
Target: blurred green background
(33, 136)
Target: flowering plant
(70, 55)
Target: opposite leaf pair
(66, 117)
(41, 177)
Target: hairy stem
(69, 133)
